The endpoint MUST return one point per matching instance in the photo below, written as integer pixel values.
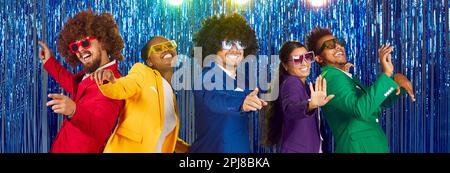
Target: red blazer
(95, 116)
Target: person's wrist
(311, 105)
(389, 74)
(242, 107)
(45, 59)
(73, 113)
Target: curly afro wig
(231, 27)
(86, 23)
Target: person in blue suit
(222, 107)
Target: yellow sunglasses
(164, 46)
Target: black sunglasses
(331, 44)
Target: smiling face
(335, 57)
(162, 61)
(231, 57)
(92, 57)
(301, 70)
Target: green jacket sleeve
(354, 103)
(389, 102)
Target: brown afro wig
(86, 23)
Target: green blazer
(353, 113)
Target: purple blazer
(300, 129)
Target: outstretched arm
(121, 88)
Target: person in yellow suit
(149, 122)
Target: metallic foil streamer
(418, 29)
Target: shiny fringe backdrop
(419, 30)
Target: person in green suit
(353, 113)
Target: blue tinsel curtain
(419, 30)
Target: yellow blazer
(142, 118)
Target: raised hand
(404, 82)
(62, 104)
(44, 52)
(386, 60)
(348, 66)
(103, 75)
(252, 102)
(319, 95)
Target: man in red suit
(94, 41)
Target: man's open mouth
(339, 54)
(233, 57)
(86, 56)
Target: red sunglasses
(85, 43)
(308, 57)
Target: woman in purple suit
(293, 119)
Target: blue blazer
(220, 126)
